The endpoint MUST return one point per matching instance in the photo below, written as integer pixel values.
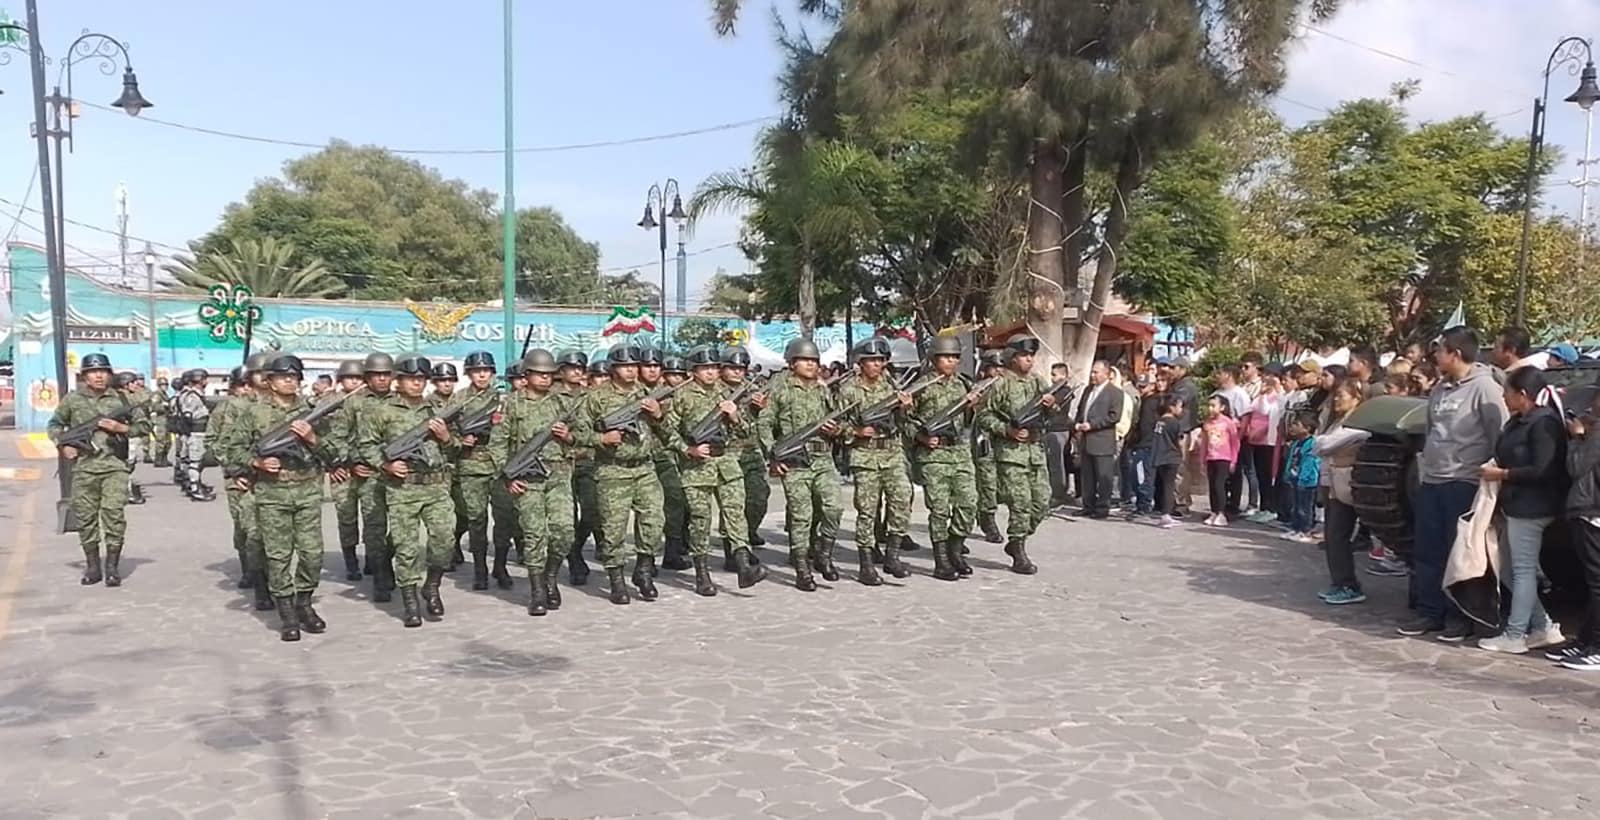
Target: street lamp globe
(677, 209)
(131, 100)
(1588, 92)
(649, 220)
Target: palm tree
(265, 266)
(810, 199)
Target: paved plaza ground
(1141, 673)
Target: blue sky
(410, 75)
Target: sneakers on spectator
(1583, 663)
(1502, 643)
(1454, 633)
(1344, 595)
(1547, 637)
(1420, 626)
(1388, 569)
(1290, 535)
(1167, 522)
(1378, 550)
(1566, 652)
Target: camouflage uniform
(475, 486)
(811, 492)
(99, 476)
(347, 493)
(878, 474)
(288, 504)
(419, 515)
(626, 483)
(718, 478)
(233, 451)
(586, 510)
(156, 411)
(370, 493)
(947, 472)
(1021, 483)
(545, 510)
(753, 467)
(675, 509)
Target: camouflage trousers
(98, 501)
(1026, 494)
(545, 514)
(247, 541)
(885, 488)
(472, 494)
(757, 492)
(952, 500)
(811, 496)
(721, 482)
(624, 491)
(373, 497)
(507, 528)
(162, 443)
(347, 510)
(985, 476)
(675, 507)
(421, 523)
(289, 518)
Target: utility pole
(508, 201)
(683, 275)
(1583, 182)
(122, 233)
(150, 295)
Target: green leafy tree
(554, 264)
(1182, 232)
(267, 267)
(695, 331)
(629, 290)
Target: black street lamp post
(657, 197)
(52, 119)
(1567, 52)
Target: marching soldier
(652, 374)
(288, 495)
(474, 477)
(378, 371)
(711, 472)
(743, 443)
(232, 447)
(193, 414)
(877, 464)
(507, 530)
(99, 464)
(945, 461)
(416, 488)
(811, 493)
(674, 370)
(543, 503)
(625, 475)
(127, 383)
(1018, 453)
(573, 368)
(983, 463)
(599, 372)
(345, 485)
(443, 378)
(157, 412)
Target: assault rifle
(526, 464)
(1032, 416)
(408, 445)
(280, 441)
(791, 451)
(81, 438)
(880, 416)
(943, 423)
(626, 417)
(479, 422)
(712, 428)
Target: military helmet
(992, 358)
(944, 346)
(285, 363)
(123, 379)
(94, 361)
(515, 370)
(194, 375)
(138, 378)
(677, 364)
(539, 360)
(378, 363)
(1022, 343)
(571, 358)
(651, 355)
(443, 371)
(411, 365)
(478, 359)
(704, 355)
(876, 347)
(735, 356)
(257, 361)
(623, 354)
(801, 348)
(348, 368)
(600, 367)
(238, 377)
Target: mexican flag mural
(626, 321)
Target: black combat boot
(891, 558)
(907, 544)
(382, 579)
(825, 567)
(502, 578)
(288, 620)
(538, 599)
(430, 592)
(246, 580)
(310, 621)
(750, 572)
(1017, 549)
(412, 608)
(729, 564)
(866, 572)
(958, 556)
(619, 592)
(755, 537)
(258, 580)
(457, 557)
(674, 558)
(703, 585)
(352, 564)
(113, 572)
(91, 569)
(480, 568)
(552, 589)
(135, 493)
(577, 568)
(644, 577)
(991, 530)
(943, 568)
(802, 572)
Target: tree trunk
(1047, 271)
(1073, 203)
(1087, 334)
(808, 294)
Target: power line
(16, 220)
(1407, 60)
(538, 149)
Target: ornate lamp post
(656, 197)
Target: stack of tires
(1381, 485)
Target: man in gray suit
(1099, 409)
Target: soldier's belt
(625, 462)
(819, 446)
(289, 476)
(879, 443)
(433, 477)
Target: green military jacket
(526, 415)
(795, 404)
(158, 404)
(581, 454)
(1009, 396)
(344, 427)
(743, 439)
(884, 450)
(931, 402)
(229, 439)
(604, 399)
(108, 453)
(381, 421)
(689, 407)
(251, 419)
(476, 460)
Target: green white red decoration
(629, 321)
(229, 312)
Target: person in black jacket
(1583, 507)
(1530, 461)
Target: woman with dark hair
(1332, 375)
(1530, 461)
(1337, 447)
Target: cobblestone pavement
(1141, 673)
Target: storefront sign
(115, 334)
